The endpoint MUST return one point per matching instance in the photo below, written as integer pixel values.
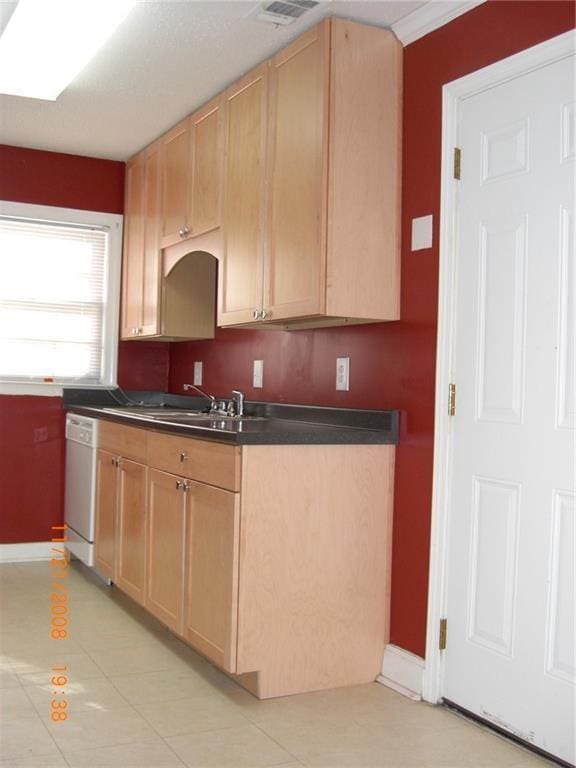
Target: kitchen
(392, 364)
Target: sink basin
(175, 415)
(187, 416)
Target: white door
(510, 589)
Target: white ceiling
(167, 58)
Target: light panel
(47, 43)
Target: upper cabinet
(291, 179)
(314, 238)
(241, 268)
(141, 257)
(192, 156)
(163, 298)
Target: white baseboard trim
(19, 553)
(402, 671)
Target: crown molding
(429, 17)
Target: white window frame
(113, 223)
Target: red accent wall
(392, 365)
(68, 181)
(32, 428)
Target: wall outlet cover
(343, 374)
(422, 233)
(198, 373)
(258, 374)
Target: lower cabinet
(120, 546)
(106, 514)
(131, 539)
(212, 546)
(273, 561)
(166, 543)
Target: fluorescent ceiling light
(47, 43)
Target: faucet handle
(238, 398)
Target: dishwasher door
(80, 497)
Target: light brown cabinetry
(106, 514)
(160, 300)
(192, 158)
(240, 282)
(166, 542)
(141, 258)
(271, 560)
(324, 216)
(212, 547)
(120, 536)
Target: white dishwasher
(80, 497)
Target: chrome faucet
(212, 399)
(233, 407)
(238, 400)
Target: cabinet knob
(263, 314)
(179, 485)
(183, 457)
(256, 314)
(186, 486)
(184, 231)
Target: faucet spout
(186, 387)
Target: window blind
(53, 290)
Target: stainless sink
(175, 415)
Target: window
(59, 293)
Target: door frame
(453, 94)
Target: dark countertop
(266, 423)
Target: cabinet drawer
(206, 462)
(122, 441)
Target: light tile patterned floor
(139, 698)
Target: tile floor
(140, 698)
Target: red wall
(392, 365)
(32, 428)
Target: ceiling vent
(284, 11)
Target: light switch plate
(422, 233)
(198, 373)
(343, 374)
(258, 374)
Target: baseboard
(402, 671)
(19, 553)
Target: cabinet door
(212, 573)
(166, 542)
(298, 147)
(207, 133)
(240, 282)
(106, 522)
(131, 542)
(133, 255)
(175, 183)
(151, 244)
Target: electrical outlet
(258, 374)
(343, 373)
(198, 374)
(40, 434)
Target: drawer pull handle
(183, 457)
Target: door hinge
(457, 162)
(451, 399)
(442, 635)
